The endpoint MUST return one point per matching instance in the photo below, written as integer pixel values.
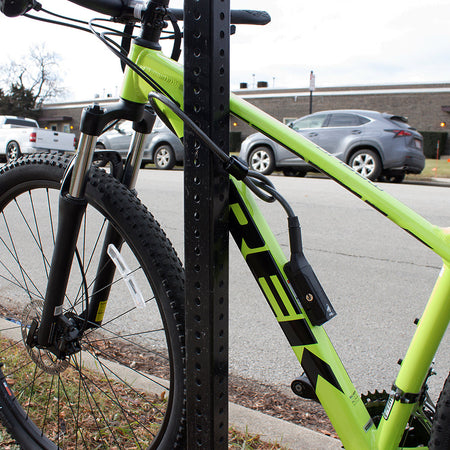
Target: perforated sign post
(206, 100)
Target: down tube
(430, 235)
(310, 344)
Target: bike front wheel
(124, 388)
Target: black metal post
(206, 100)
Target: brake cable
(258, 183)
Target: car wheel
(164, 157)
(367, 163)
(261, 160)
(100, 146)
(12, 151)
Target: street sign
(312, 81)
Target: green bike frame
(266, 260)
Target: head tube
(164, 71)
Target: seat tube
(414, 367)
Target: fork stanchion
(206, 99)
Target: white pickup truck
(19, 136)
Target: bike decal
(101, 311)
(388, 407)
(8, 391)
(240, 222)
(298, 332)
(310, 344)
(260, 261)
(314, 366)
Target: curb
(440, 182)
(277, 431)
(245, 420)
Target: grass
(72, 420)
(246, 441)
(56, 417)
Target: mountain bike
(92, 292)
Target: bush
(430, 140)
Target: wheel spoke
(89, 399)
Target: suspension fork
(72, 206)
(106, 268)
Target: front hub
(65, 339)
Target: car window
(124, 127)
(315, 121)
(159, 125)
(20, 123)
(346, 120)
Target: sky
(345, 43)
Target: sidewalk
(273, 430)
(243, 419)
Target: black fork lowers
(72, 207)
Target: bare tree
(37, 73)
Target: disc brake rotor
(44, 359)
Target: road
(376, 275)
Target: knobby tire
(125, 388)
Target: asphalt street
(376, 275)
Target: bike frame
(266, 260)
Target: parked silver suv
(161, 146)
(377, 145)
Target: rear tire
(440, 431)
(99, 396)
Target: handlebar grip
(238, 16)
(249, 17)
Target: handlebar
(238, 16)
(129, 9)
(113, 8)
